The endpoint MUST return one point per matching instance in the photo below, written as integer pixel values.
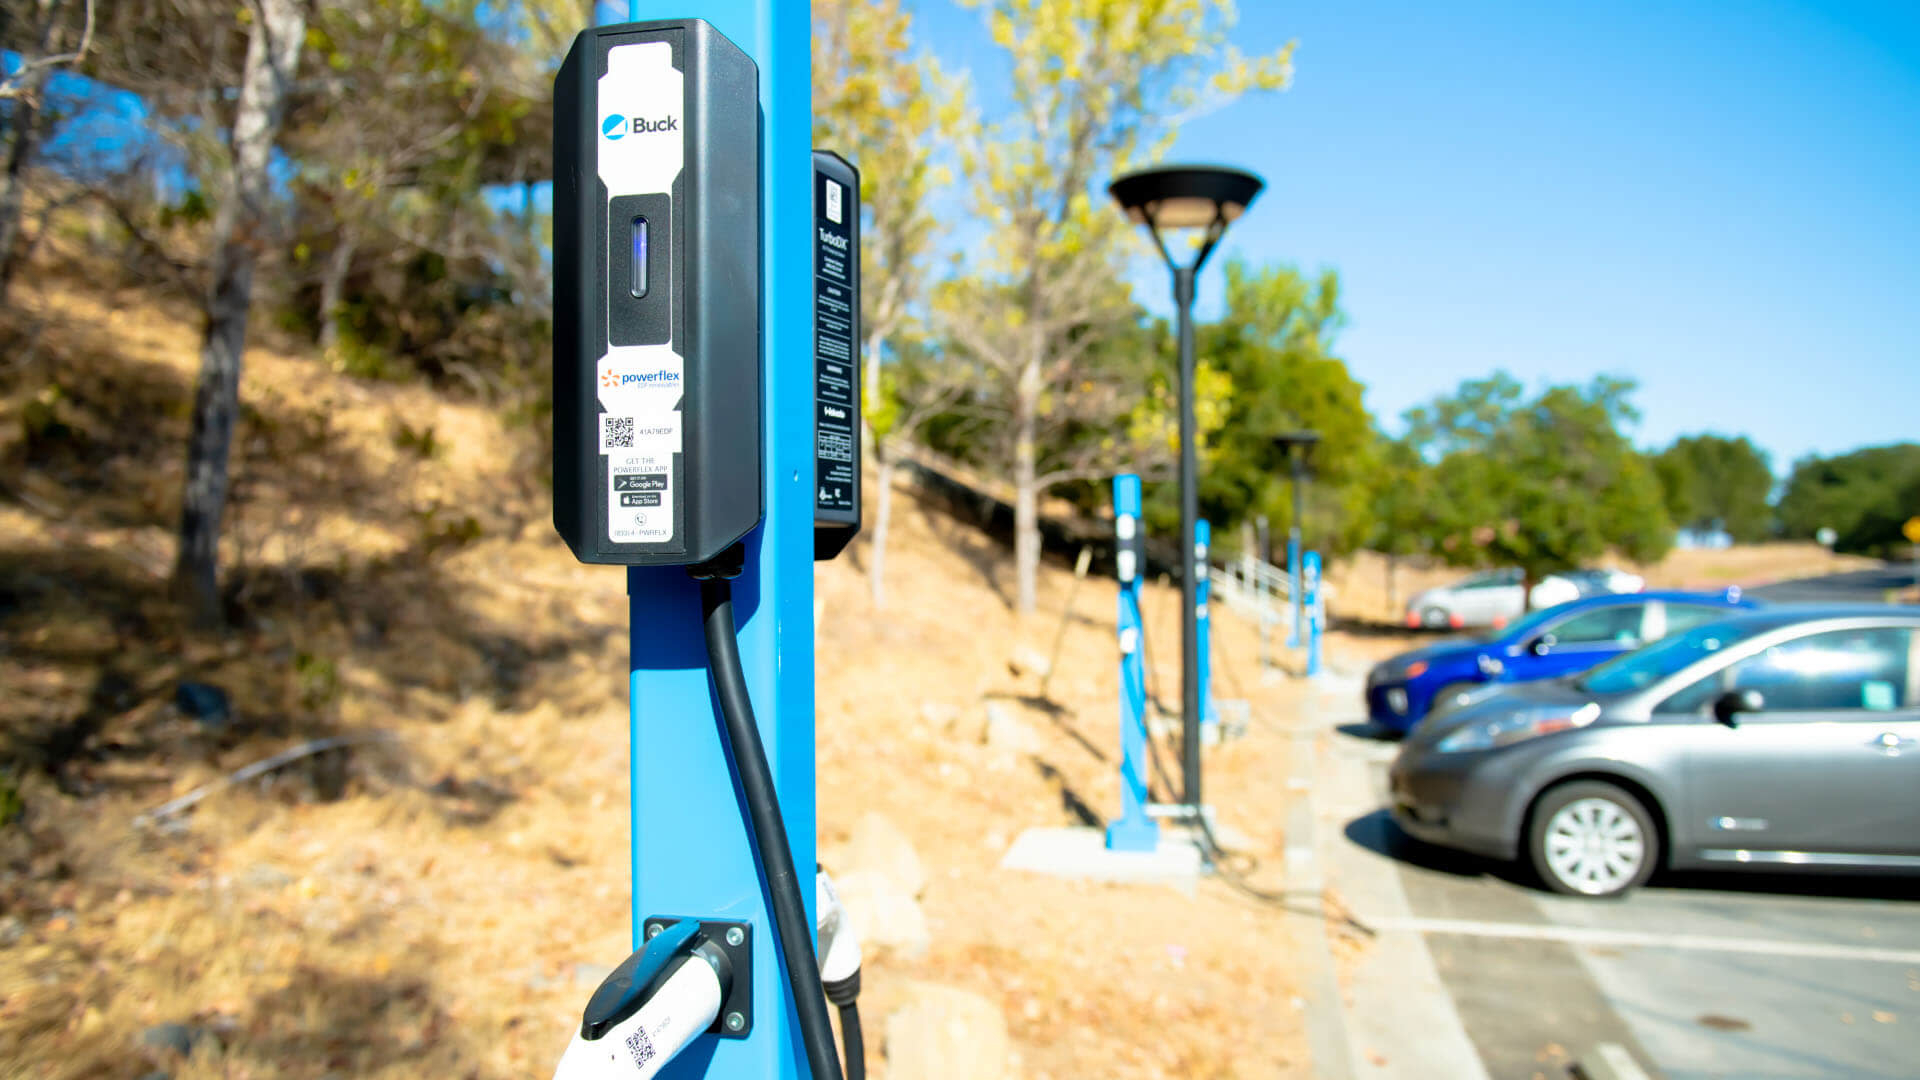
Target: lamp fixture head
(1208, 197)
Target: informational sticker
(641, 151)
(836, 404)
(640, 497)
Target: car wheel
(1447, 694)
(1435, 618)
(1590, 838)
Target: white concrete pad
(1081, 852)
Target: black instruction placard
(836, 309)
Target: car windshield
(1642, 668)
(1522, 629)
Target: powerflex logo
(610, 379)
(616, 126)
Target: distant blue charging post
(1133, 830)
(1203, 628)
(691, 852)
(1310, 590)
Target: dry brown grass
(441, 905)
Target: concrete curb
(1399, 1018)
(1325, 1013)
(1608, 1061)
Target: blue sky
(1721, 200)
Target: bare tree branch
(11, 86)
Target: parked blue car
(1554, 641)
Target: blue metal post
(1295, 632)
(692, 855)
(1133, 830)
(1203, 574)
(1315, 614)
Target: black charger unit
(836, 353)
(656, 326)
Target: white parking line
(1588, 935)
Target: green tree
(1273, 346)
(1545, 482)
(1714, 481)
(1864, 495)
(1094, 87)
(1405, 517)
(415, 109)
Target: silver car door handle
(1891, 743)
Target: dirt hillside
(430, 899)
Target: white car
(1606, 580)
(1490, 598)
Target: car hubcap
(1594, 846)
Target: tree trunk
(273, 52)
(870, 392)
(332, 283)
(1026, 499)
(28, 126)
(1393, 592)
(882, 518)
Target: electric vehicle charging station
(1203, 573)
(1133, 830)
(695, 330)
(1316, 612)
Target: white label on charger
(834, 194)
(642, 149)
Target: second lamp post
(1207, 198)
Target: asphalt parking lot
(1709, 975)
(1473, 971)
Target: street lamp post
(1295, 446)
(1205, 198)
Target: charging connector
(840, 970)
(647, 1010)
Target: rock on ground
(1006, 733)
(879, 844)
(945, 1033)
(1027, 660)
(883, 913)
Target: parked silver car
(1785, 738)
(1490, 598)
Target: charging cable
(741, 734)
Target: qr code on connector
(616, 432)
(640, 1047)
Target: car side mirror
(1543, 644)
(1728, 706)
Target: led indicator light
(638, 286)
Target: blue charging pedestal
(1203, 630)
(1298, 629)
(692, 855)
(1133, 830)
(1310, 590)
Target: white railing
(1252, 588)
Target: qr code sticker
(640, 1047)
(616, 433)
